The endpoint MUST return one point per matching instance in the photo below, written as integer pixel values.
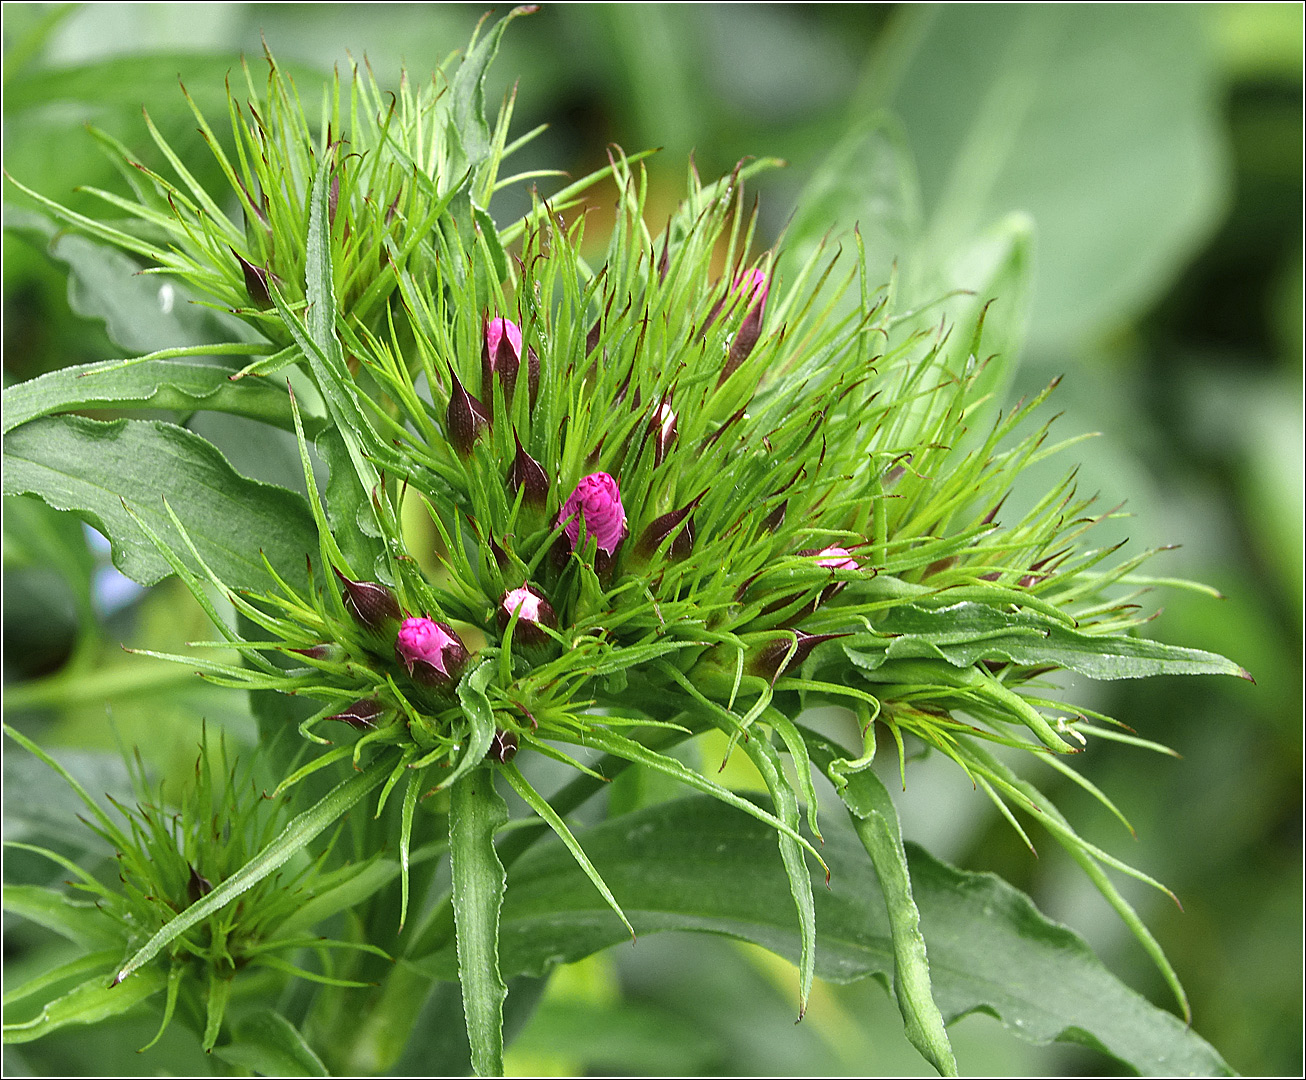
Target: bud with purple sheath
(431, 651)
(533, 612)
(501, 353)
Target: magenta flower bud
(836, 558)
(501, 352)
(430, 651)
(755, 286)
(596, 502)
(372, 605)
(465, 419)
(533, 612)
(362, 715)
(663, 429)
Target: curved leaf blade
(90, 468)
(695, 864)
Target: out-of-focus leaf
(126, 81)
(80, 922)
(142, 313)
(967, 632)
(694, 864)
(88, 1003)
(91, 468)
(868, 180)
(267, 1043)
(1101, 122)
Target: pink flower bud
(836, 558)
(597, 503)
(430, 651)
(533, 612)
(501, 353)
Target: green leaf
(299, 832)
(467, 123)
(102, 961)
(967, 632)
(82, 923)
(875, 820)
(480, 717)
(349, 509)
(695, 864)
(88, 1003)
(267, 1043)
(159, 383)
(867, 180)
(476, 810)
(91, 468)
(370, 877)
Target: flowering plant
(738, 485)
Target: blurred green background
(1158, 151)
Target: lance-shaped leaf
(475, 812)
(875, 820)
(966, 632)
(173, 379)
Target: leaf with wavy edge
(695, 864)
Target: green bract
(811, 512)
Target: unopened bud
(756, 287)
(501, 351)
(256, 282)
(532, 611)
(663, 429)
(362, 715)
(372, 605)
(431, 651)
(784, 655)
(596, 503)
(503, 748)
(465, 419)
(527, 474)
(660, 528)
